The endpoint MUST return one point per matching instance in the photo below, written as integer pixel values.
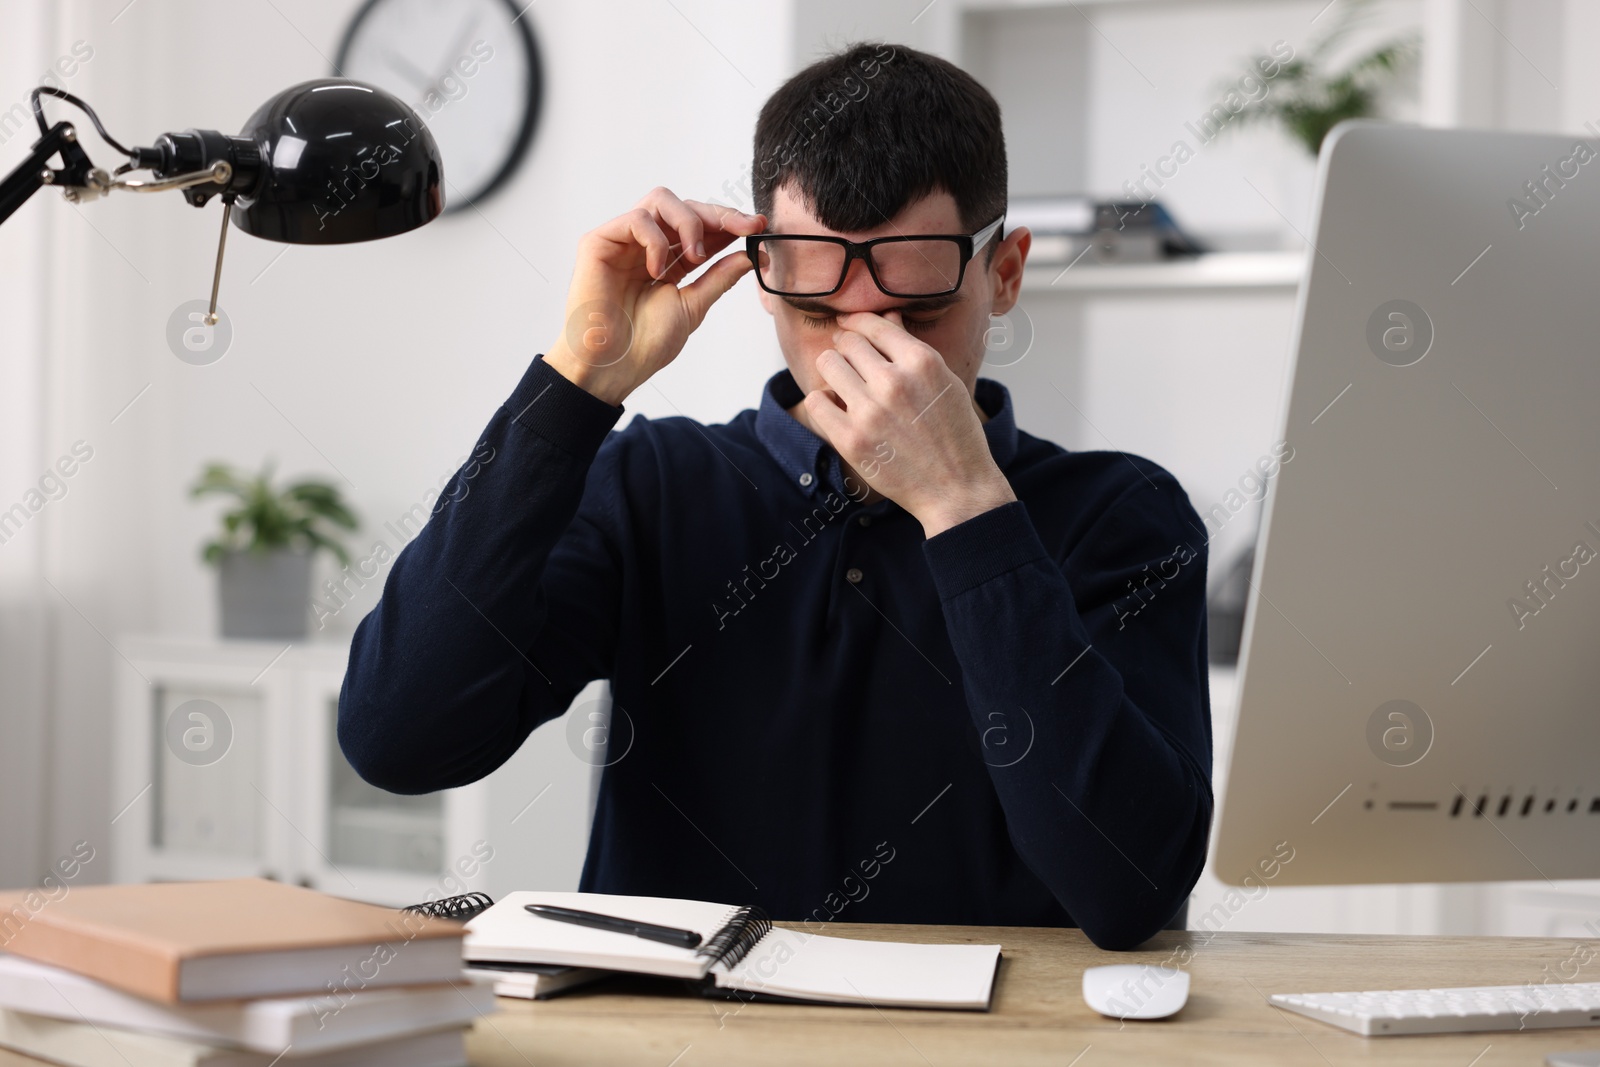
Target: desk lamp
(329, 161)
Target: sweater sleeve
(1087, 682)
(442, 686)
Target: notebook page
(508, 933)
(791, 963)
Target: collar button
(806, 479)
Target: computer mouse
(1133, 991)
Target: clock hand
(455, 50)
(409, 70)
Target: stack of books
(239, 973)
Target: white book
(83, 1044)
(533, 981)
(309, 1024)
(741, 951)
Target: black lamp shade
(341, 161)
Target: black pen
(669, 935)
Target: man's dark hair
(862, 134)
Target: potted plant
(1310, 95)
(264, 553)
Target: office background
(376, 365)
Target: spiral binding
(737, 937)
(460, 908)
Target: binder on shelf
(1070, 228)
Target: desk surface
(1039, 1016)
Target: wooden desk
(1039, 1016)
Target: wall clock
(470, 68)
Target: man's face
(953, 325)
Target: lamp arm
(219, 173)
(388, 171)
(201, 163)
(34, 172)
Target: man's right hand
(626, 315)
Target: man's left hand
(897, 414)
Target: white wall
(385, 360)
(1094, 90)
(388, 358)
(24, 261)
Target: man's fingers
(638, 228)
(660, 220)
(699, 295)
(730, 222)
(716, 238)
(703, 229)
(658, 253)
(889, 338)
(842, 375)
(867, 361)
(724, 226)
(827, 413)
(687, 224)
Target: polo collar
(812, 463)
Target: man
(878, 654)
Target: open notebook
(741, 953)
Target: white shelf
(278, 698)
(1001, 5)
(389, 821)
(1215, 270)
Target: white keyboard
(1445, 1011)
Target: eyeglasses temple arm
(983, 236)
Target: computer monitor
(1419, 690)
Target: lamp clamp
(178, 161)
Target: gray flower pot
(265, 595)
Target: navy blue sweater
(817, 709)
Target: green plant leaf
(322, 499)
(218, 478)
(301, 516)
(1308, 100)
(319, 540)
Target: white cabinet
(227, 764)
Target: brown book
(242, 938)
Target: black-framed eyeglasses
(920, 265)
